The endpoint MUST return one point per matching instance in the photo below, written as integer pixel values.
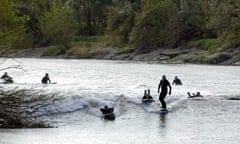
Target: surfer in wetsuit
(106, 110)
(164, 84)
(198, 94)
(46, 79)
(7, 78)
(147, 96)
(177, 81)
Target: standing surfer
(164, 84)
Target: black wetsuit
(106, 110)
(163, 84)
(45, 80)
(7, 78)
(177, 82)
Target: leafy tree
(11, 25)
(156, 25)
(34, 9)
(121, 20)
(58, 24)
(91, 15)
(224, 19)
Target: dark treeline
(143, 24)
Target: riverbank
(230, 56)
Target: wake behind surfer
(163, 85)
(46, 79)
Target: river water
(84, 86)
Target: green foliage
(83, 51)
(91, 16)
(120, 22)
(58, 24)
(52, 51)
(224, 20)
(156, 25)
(11, 25)
(143, 24)
(89, 39)
(211, 45)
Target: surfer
(7, 78)
(106, 110)
(164, 84)
(198, 94)
(46, 79)
(177, 81)
(147, 96)
(108, 113)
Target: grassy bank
(87, 47)
(203, 51)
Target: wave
(46, 103)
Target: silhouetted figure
(106, 110)
(7, 78)
(198, 94)
(46, 79)
(177, 81)
(147, 96)
(164, 84)
(108, 113)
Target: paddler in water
(46, 79)
(164, 84)
(198, 94)
(177, 81)
(7, 78)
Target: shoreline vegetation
(166, 31)
(204, 51)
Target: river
(84, 86)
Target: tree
(156, 25)
(224, 19)
(58, 24)
(91, 15)
(11, 25)
(120, 22)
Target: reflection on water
(163, 121)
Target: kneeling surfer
(147, 96)
(108, 113)
(106, 110)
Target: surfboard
(147, 101)
(162, 110)
(53, 83)
(195, 96)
